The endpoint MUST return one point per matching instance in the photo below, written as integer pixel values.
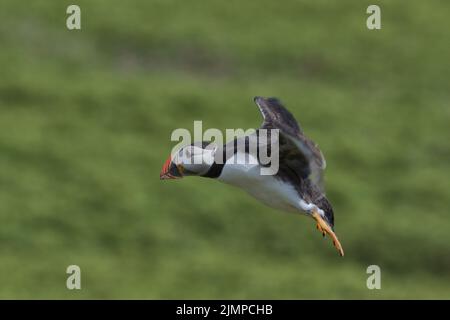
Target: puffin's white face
(188, 161)
(194, 160)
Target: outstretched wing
(297, 152)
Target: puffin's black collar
(215, 171)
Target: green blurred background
(85, 124)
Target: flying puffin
(297, 185)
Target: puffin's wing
(276, 116)
(296, 151)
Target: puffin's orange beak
(170, 170)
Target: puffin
(297, 186)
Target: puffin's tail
(325, 205)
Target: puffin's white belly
(267, 189)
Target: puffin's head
(192, 160)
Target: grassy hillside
(85, 124)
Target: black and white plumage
(296, 187)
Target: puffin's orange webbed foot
(324, 228)
(318, 227)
